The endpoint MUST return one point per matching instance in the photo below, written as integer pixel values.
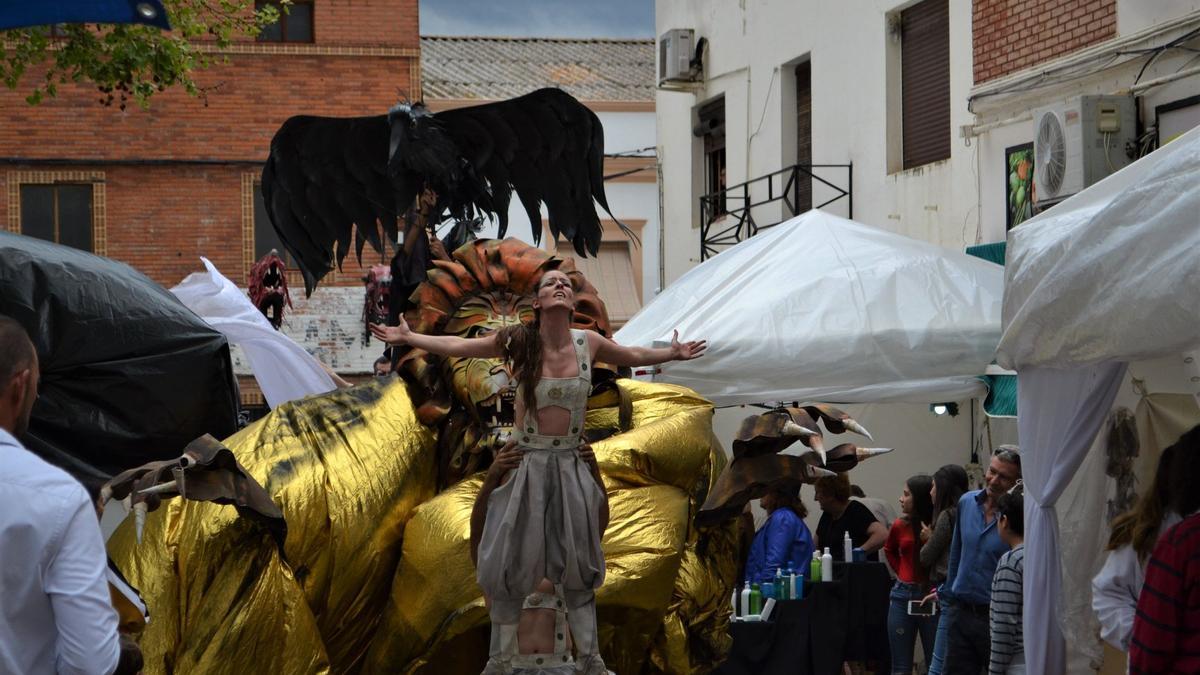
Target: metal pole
(850, 187)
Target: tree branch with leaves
(126, 61)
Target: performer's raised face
(555, 291)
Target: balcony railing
(733, 214)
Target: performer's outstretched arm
(446, 345)
(618, 355)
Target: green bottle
(814, 569)
(755, 599)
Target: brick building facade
(1010, 35)
(159, 188)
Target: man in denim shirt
(974, 552)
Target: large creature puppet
(376, 482)
(376, 485)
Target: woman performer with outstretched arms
(546, 508)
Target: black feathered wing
(325, 175)
(548, 148)
(326, 187)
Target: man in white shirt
(56, 615)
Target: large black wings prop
(327, 175)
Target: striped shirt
(1166, 629)
(1005, 619)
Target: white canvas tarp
(824, 308)
(1108, 277)
(1113, 273)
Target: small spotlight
(147, 10)
(940, 409)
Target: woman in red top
(903, 550)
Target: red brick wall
(366, 22)
(252, 96)
(161, 218)
(1010, 35)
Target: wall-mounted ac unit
(675, 56)
(1077, 143)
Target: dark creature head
(268, 287)
(378, 281)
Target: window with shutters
(295, 22)
(259, 235)
(804, 134)
(266, 238)
(58, 212)
(712, 132)
(925, 82)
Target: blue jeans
(945, 618)
(903, 627)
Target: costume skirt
(544, 522)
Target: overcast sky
(539, 18)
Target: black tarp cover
(129, 375)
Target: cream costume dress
(544, 522)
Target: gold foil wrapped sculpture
(376, 484)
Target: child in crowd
(1008, 648)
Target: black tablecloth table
(841, 620)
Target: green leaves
(130, 61)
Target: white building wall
(751, 51)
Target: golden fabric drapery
(375, 574)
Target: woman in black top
(841, 515)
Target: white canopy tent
(1108, 277)
(824, 308)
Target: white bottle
(847, 548)
(792, 585)
(745, 600)
(734, 602)
(827, 566)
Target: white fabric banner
(283, 369)
(1071, 406)
(824, 308)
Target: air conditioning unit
(1079, 142)
(675, 55)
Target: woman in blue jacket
(784, 540)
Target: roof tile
(495, 68)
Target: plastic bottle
(792, 585)
(780, 585)
(847, 548)
(736, 597)
(755, 599)
(814, 568)
(827, 566)
(745, 601)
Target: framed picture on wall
(1176, 118)
(1018, 188)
